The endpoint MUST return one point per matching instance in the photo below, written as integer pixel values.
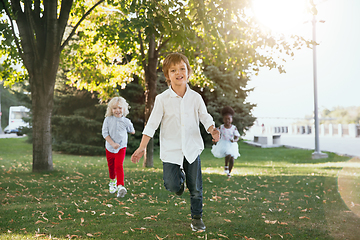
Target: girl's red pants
(115, 163)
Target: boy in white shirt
(179, 109)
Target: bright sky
(291, 95)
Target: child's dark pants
(173, 178)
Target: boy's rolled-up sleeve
(154, 119)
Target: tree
(219, 33)
(34, 34)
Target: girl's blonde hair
(117, 101)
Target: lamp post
(317, 154)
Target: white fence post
(352, 130)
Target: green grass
(274, 193)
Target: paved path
(11, 135)
(344, 145)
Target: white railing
(332, 130)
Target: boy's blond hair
(174, 58)
(117, 101)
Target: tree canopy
(105, 47)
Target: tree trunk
(42, 93)
(150, 94)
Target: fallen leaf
(125, 232)
(142, 228)
(303, 217)
(82, 221)
(227, 220)
(267, 235)
(39, 221)
(249, 238)
(89, 234)
(221, 235)
(270, 222)
(129, 214)
(102, 214)
(242, 199)
(160, 237)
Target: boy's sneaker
(197, 224)
(121, 191)
(112, 186)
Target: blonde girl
(114, 130)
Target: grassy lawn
(273, 194)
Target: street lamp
(317, 154)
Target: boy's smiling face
(178, 74)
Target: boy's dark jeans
(174, 177)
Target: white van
(16, 115)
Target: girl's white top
(179, 131)
(228, 134)
(117, 129)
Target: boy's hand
(137, 155)
(215, 133)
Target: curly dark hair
(227, 111)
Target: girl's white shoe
(121, 191)
(112, 186)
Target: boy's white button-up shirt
(179, 131)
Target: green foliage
(76, 121)
(228, 91)
(273, 194)
(77, 135)
(127, 35)
(341, 115)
